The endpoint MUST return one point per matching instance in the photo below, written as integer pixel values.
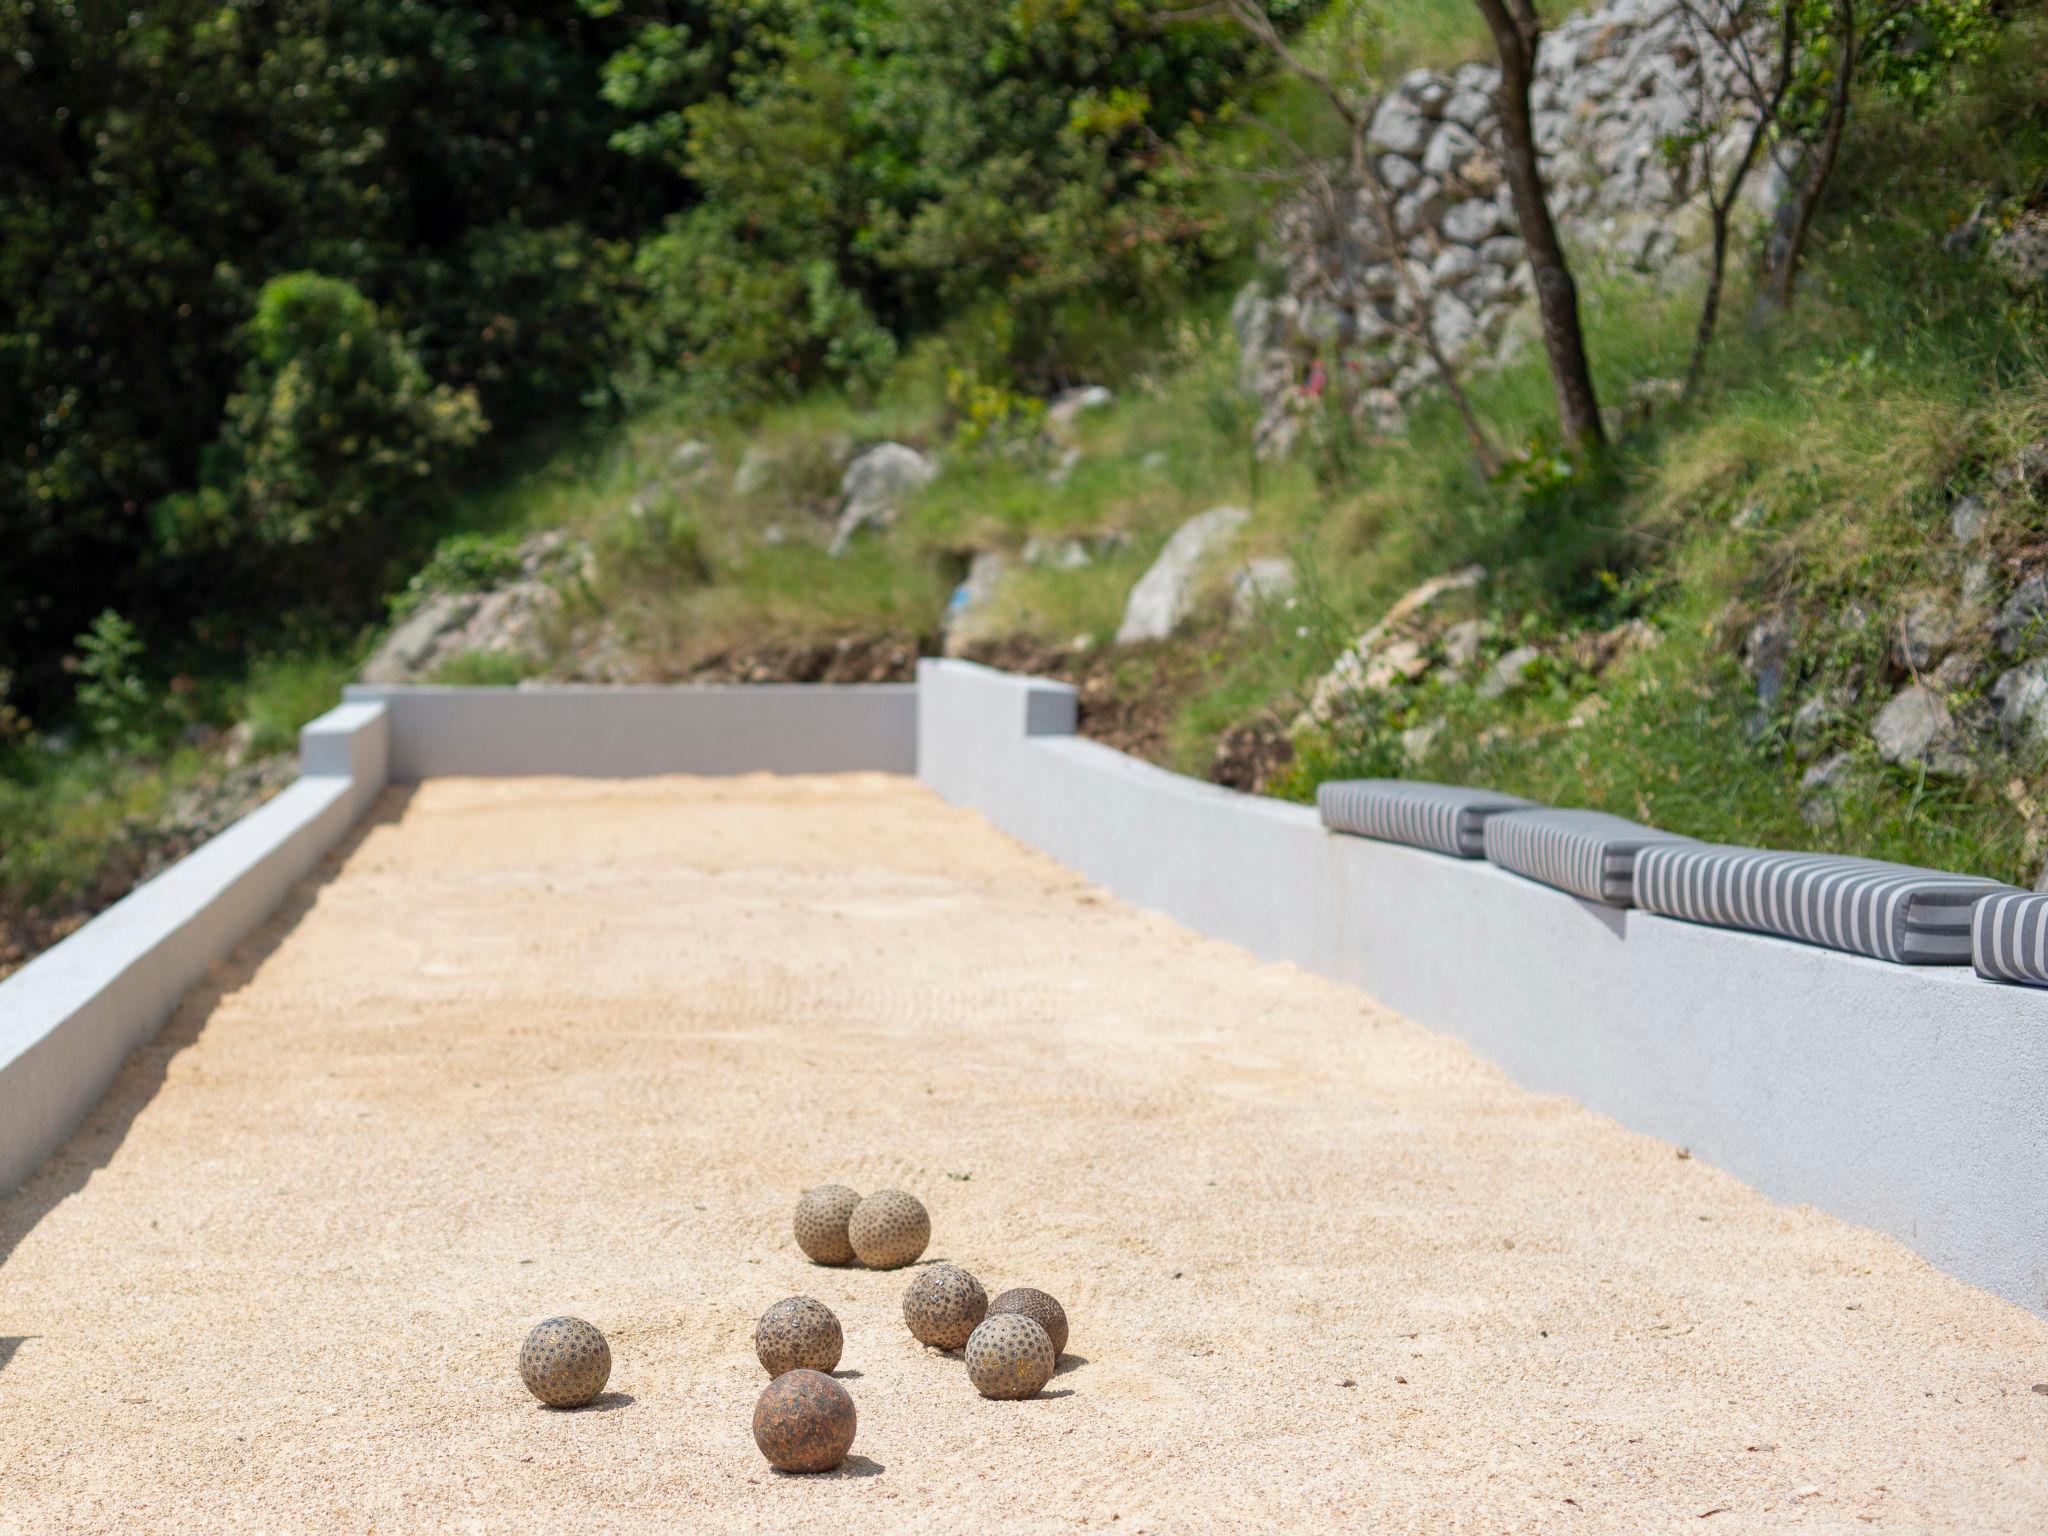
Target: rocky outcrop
(507, 620)
(1164, 596)
(1387, 650)
(874, 488)
(1916, 729)
(1613, 88)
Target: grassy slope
(1813, 476)
(1839, 435)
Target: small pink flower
(1317, 381)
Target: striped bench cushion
(1445, 817)
(1588, 853)
(2009, 937)
(1887, 911)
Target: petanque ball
(565, 1362)
(804, 1422)
(798, 1332)
(821, 1223)
(1009, 1357)
(943, 1305)
(1040, 1308)
(888, 1230)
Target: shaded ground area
(547, 1046)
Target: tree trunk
(1515, 37)
(1722, 202)
(1776, 296)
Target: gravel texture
(541, 1047)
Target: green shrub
(335, 428)
(462, 562)
(284, 692)
(114, 701)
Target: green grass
(284, 692)
(1811, 478)
(61, 811)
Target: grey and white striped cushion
(1446, 817)
(1887, 911)
(2009, 937)
(1588, 853)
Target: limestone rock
(1257, 584)
(2021, 253)
(874, 488)
(1164, 596)
(2021, 696)
(2022, 623)
(1348, 675)
(1069, 404)
(409, 650)
(1915, 728)
(1509, 673)
(1966, 519)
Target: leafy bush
(163, 162)
(335, 432)
(870, 168)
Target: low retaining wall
(69, 1018)
(1907, 1099)
(1910, 1099)
(600, 732)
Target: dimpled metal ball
(1009, 1357)
(1040, 1308)
(943, 1306)
(565, 1362)
(798, 1332)
(821, 1223)
(804, 1422)
(889, 1229)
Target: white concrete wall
(1910, 1099)
(69, 1018)
(604, 732)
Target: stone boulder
(1164, 596)
(1070, 404)
(1915, 729)
(1258, 584)
(2023, 621)
(1382, 652)
(1509, 673)
(2021, 697)
(409, 652)
(874, 488)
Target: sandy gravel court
(539, 1046)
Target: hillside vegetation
(1701, 626)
